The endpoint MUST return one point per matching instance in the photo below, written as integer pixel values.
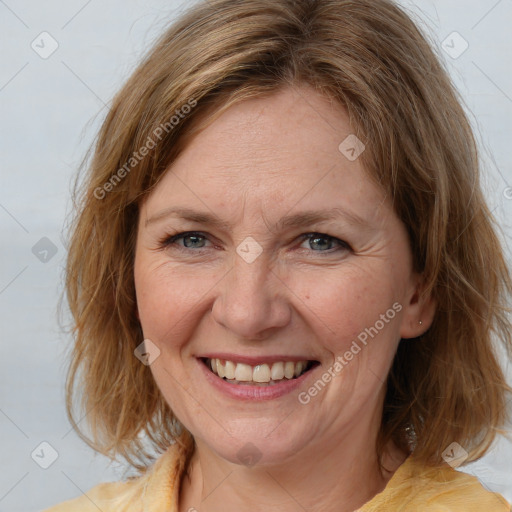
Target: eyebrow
(289, 221)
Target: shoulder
(154, 490)
(419, 488)
(118, 496)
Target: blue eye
(193, 238)
(318, 242)
(324, 242)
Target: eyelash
(170, 240)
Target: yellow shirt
(412, 488)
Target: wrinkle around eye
(171, 242)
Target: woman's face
(255, 285)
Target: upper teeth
(259, 373)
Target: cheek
(341, 305)
(333, 305)
(168, 298)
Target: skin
(260, 160)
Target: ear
(419, 309)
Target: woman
(283, 271)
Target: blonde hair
(369, 56)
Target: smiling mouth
(265, 374)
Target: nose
(252, 300)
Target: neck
(340, 475)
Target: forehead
(271, 153)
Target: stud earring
(421, 323)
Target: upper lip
(254, 360)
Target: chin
(254, 442)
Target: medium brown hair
(369, 56)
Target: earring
(421, 323)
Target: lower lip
(248, 392)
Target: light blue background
(50, 111)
